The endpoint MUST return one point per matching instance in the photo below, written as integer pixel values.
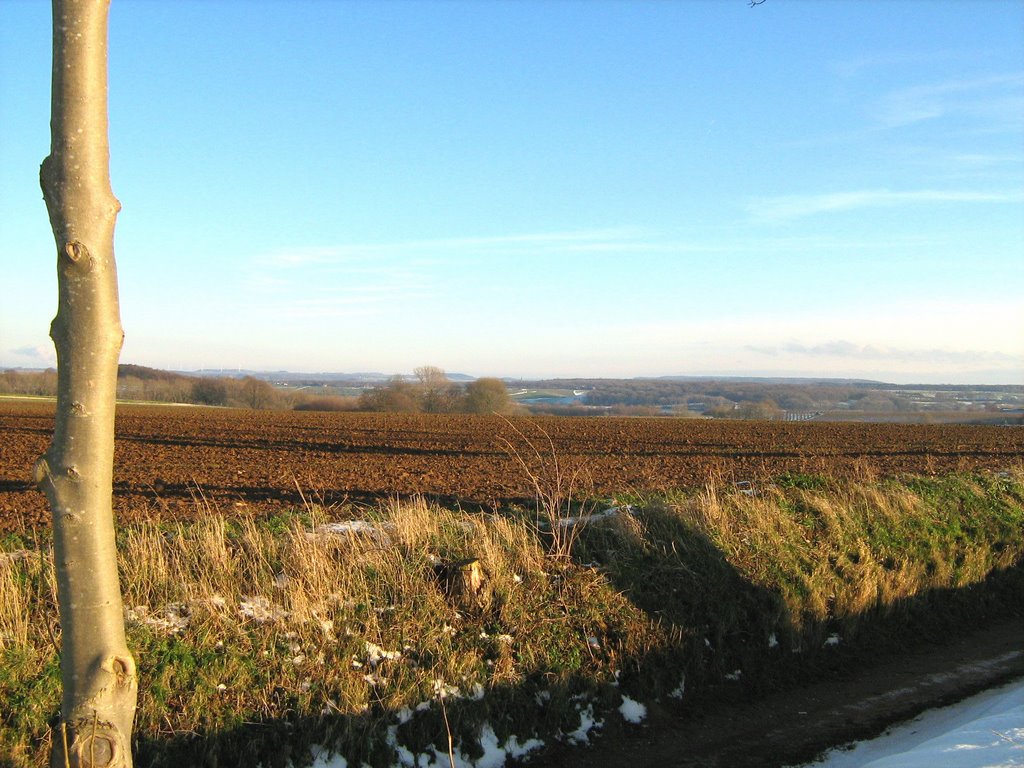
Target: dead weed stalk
(558, 490)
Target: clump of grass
(256, 637)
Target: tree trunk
(76, 472)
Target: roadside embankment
(381, 632)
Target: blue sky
(549, 188)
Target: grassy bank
(257, 638)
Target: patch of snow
(746, 488)
(374, 531)
(260, 609)
(678, 692)
(324, 758)
(327, 625)
(985, 731)
(375, 654)
(833, 639)
(735, 675)
(587, 723)
(773, 641)
(494, 753)
(569, 522)
(405, 755)
(172, 619)
(632, 711)
(519, 751)
(444, 691)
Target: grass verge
(257, 638)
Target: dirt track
(166, 457)
(793, 726)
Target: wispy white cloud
(544, 242)
(996, 99)
(856, 65)
(842, 348)
(787, 207)
(379, 279)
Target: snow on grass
(323, 758)
(378, 532)
(569, 522)
(375, 654)
(986, 731)
(259, 608)
(680, 689)
(172, 619)
(495, 752)
(588, 723)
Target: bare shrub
(561, 492)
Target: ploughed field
(180, 461)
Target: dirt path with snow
(794, 726)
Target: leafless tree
(76, 472)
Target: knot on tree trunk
(90, 744)
(77, 253)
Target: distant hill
(774, 380)
(316, 377)
(147, 374)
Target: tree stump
(465, 583)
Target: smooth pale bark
(76, 472)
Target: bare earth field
(168, 457)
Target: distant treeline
(430, 392)
(773, 399)
(137, 382)
(667, 392)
